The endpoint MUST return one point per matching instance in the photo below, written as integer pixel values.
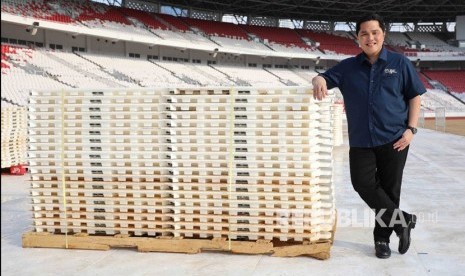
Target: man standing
(381, 91)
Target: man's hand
(404, 141)
(320, 91)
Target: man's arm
(413, 114)
(414, 111)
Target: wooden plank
(177, 245)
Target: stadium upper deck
(131, 25)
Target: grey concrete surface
(433, 188)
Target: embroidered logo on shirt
(388, 71)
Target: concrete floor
(434, 189)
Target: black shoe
(382, 250)
(404, 235)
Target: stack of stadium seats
(105, 146)
(14, 135)
(239, 163)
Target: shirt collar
(383, 56)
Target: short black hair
(370, 17)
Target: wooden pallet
(318, 250)
(278, 144)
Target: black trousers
(376, 175)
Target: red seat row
(452, 79)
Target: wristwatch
(413, 129)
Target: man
(381, 92)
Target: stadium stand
(221, 29)
(438, 98)
(279, 38)
(452, 79)
(425, 81)
(430, 42)
(144, 17)
(330, 43)
(35, 9)
(166, 50)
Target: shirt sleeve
(412, 83)
(333, 76)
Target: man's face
(371, 38)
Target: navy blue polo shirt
(376, 97)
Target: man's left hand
(404, 141)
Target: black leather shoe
(382, 250)
(404, 235)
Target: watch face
(414, 130)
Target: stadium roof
(334, 10)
